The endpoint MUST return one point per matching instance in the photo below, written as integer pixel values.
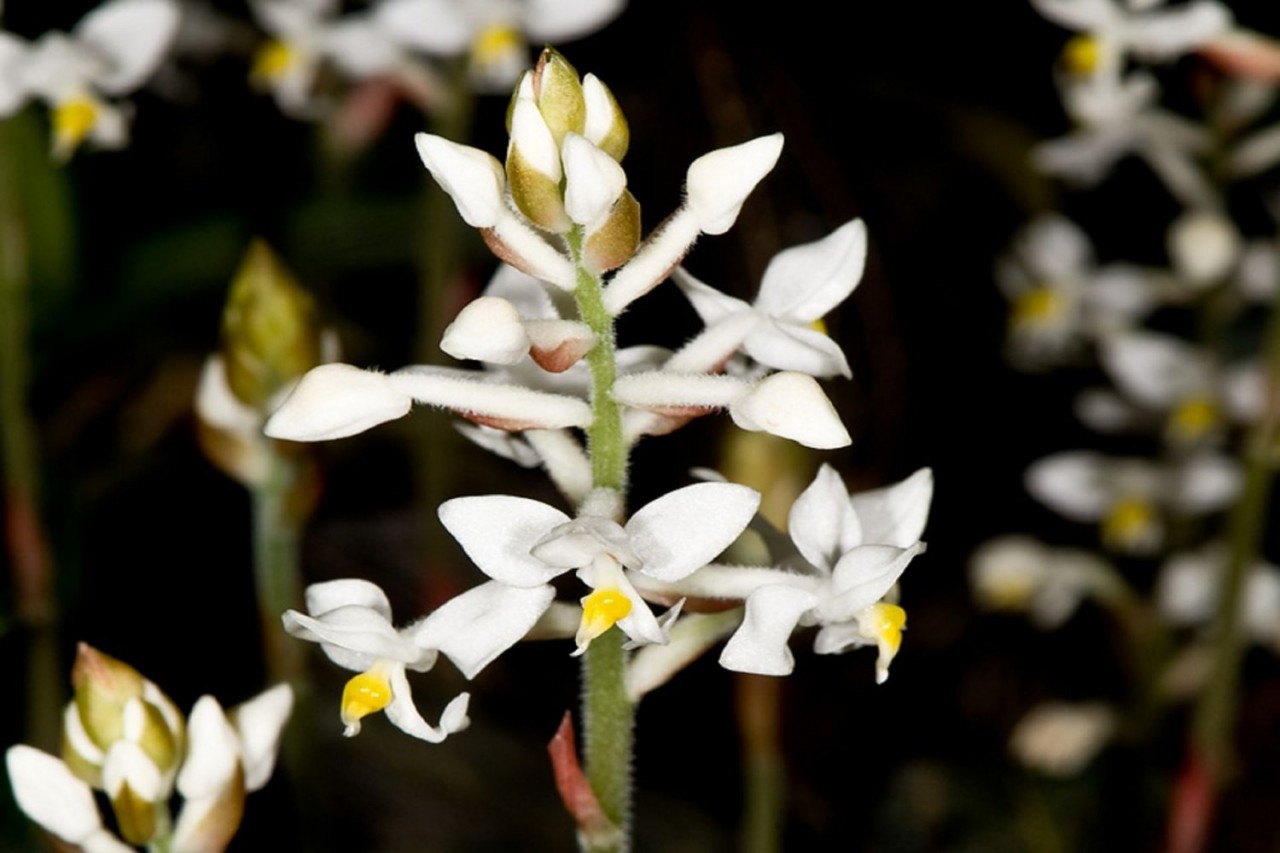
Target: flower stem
(1215, 713)
(609, 715)
(758, 699)
(275, 565)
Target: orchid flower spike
(110, 52)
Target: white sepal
(760, 644)
(474, 179)
(132, 36)
(718, 183)
(593, 180)
(335, 401)
(475, 627)
(806, 282)
(498, 532)
(896, 515)
(259, 725)
(51, 795)
(1204, 246)
(488, 329)
(791, 405)
(213, 755)
(682, 531)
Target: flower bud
(533, 169)
(270, 333)
(718, 183)
(489, 329)
(1204, 246)
(791, 405)
(606, 126)
(559, 95)
(472, 178)
(613, 242)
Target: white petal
(863, 576)
(523, 291)
(1054, 248)
(489, 329)
(13, 52)
(330, 595)
(213, 754)
(566, 20)
(1187, 588)
(217, 405)
(356, 637)
(791, 405)
(896, 514)
(132, 35)
(1205, 484)
(760, 645)
(404, 715)
(1104, 410)
(712, 305)
(593, 180)
(1079, 14)
(1060, 738)
(499, 531)
(508, 445)
(127, 764)
(820, 519)
(532, 138)
(260, 724)
(788, 346)
(438, 27)
(1156, 370)
(474, 179)
(1169, 33)
(475, 627)
(51, 795)
(359, 48)
(1072, 484)
(718, 183)
(684, 530)
(335, 401)
(806, 282)
(577, 542)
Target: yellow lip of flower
(1040, 307)
(272, 61)
(1130, 523)
(73, 119)
(494, 45)
(820, 326)
(1193, 419)
(365, 694)
(601, 610)
(885, 624)
(1082, 55)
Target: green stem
(275, 564)
(1215, 713)
(608, 714)
(759, 706)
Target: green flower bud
(606, 126)
(270, 332)
(557, 90)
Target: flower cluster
(122, 736)
(561, 216)
(1188, 400)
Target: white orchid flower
(1129, 497)
(110, 52)
(1167, 380)
(1018, 573)
(784, 330)
(493, 33)
(1111, 30)
(1117, 117)
(1060, 298)
(307, 34)
(850, 551)
(525, 544)
(351, 619)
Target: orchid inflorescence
(561, 216)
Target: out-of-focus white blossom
(1021, 574)
(1061, 738)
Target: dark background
(917, 117)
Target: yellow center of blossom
(1193, 419)
(601, 610)
(1082, 55)
(494, 44)
(1008, 592)
(273, 61)
(885, 623)
(1130, 525)
(1038, 308)
(72, 121)
(365, 694)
